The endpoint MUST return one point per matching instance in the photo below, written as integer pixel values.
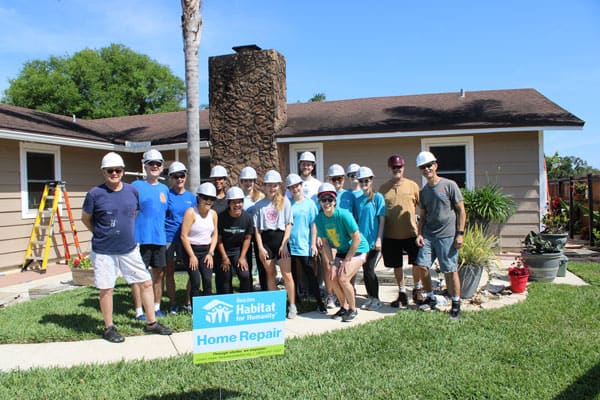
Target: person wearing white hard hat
(306, 166)
(108, 212)
(400, 229)
(370, 216)
(150, 228)
(235, 233)
(219, 175)
(180, 199)
(441, 229)
(272, 227)
(303, 237)
(337, 176)
(351, 172)
(344, 249)
(199, 237)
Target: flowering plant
(83, 263)
(518, 268)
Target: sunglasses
(206, 198)
(326, 199)
(154, 163)
(337, 178)
(428, 165)
(111, 171)
(351, 175)
(178, 176)
(398, 167)
(364, 180)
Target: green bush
(478, 248)
(486, 205)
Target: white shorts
(107, 266)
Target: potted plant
(518, 274)
(556, 226)
(542, 256)
(82, 270)
(475, 255)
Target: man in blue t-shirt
(109, 212)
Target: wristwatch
(460, 232)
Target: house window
(39, 164)
(455, 158)
(297, 149)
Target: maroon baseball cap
(395, 161)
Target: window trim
(301, 147)
(25, 148)
(466, 141)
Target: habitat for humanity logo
(217, 311)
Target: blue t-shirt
(367, 214)
(177, 205)
(338, 228)
(150, 221)
(345, 199)
(113, 218)
(303, 213)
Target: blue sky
(349, 49)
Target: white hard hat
(327, 188)
(218, 171)
(176, 166)
(352, 168)
(307, 156)
(234, 193)
(272, 176)
(364, 172)
(292, 179)
(152, 155)
(425, 157)
(248, 173)
(335, 170)
(207, 189)
(112, 160)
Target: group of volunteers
(317, 234)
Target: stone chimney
(248, 106)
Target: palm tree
(191, 25)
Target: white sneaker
(292, 311)
(375, 305)
(331, 301)
(367, 304)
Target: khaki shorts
(107, 267)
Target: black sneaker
(321, 308)
(112, 335)
(455, 310)
(402, 300)
(339, 314)
(350, 315)
(417, 296)
(429, 305)
(158, 328)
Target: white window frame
(466, 141)
(25, 148)
(317, 148)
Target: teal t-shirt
(338, 228)
(367, 214)
(303, 213)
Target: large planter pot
(557, 239)
(542, 267)
(82, 277)
(470, 276)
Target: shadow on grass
(586, 386)
(212, 393)
(79, 322)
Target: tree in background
(318, 97)
(111, 82)
(566, 166)
(191, 26)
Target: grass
(588, 271)
(547, 347)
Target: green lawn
(547, 347)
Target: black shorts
(154, 255)
(271, 241)
(393, 251)
(174, 252)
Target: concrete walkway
(68, 354)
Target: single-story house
(478, 136)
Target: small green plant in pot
(476, 254)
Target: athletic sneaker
(402, 300)
(367, 303)
(350, 315)
(331, 301)
(112, 335)
(173, 310)
(417, 296)
(339, 314)
(292, 311)
(140, 317)
(321, 308)
(157, 328)
(187, 308)
(159, 314)
(455, 310)
(429, 305)
(375, 305)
